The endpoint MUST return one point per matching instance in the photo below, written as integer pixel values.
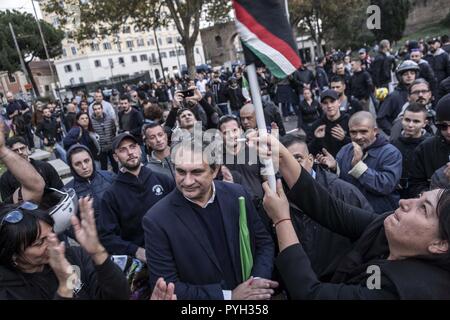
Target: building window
(126, 29)
(97, 63)
(81, 80)
(119, 45)
(121, 60)
(11, 78)
(111, 63)
(134, 59)
(64, 52)
(172, 53)
(151, 42)
(160, 41)
(47, 88)
(169, 40)
(107, 46)
(197, 50)
(74, 50)
(130, 44)
(181, 52)
(163, 55)
(77, 66)
(144, 57)
(140, 42)
(72, 81)
(95, 47)
(166, 70)
(68, 68)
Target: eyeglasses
(417, 92)
(442, 126)
(16, 215)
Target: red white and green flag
(264, 30)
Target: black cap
(434, 40)
(119, 138)
(328, 94)
(443, 109)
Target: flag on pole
(244, 242)
(264, 29)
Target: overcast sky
(20, 5)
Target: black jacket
(400, 279)
(97, 282)
(9, 184)
(124, 204)
(321, 78)
(48, 128)
(272, 114)
(407, 147)
(136, 122)
(381, 68)
(427, 73)
(440, 63)
(361, 85)
(323, 247)
(444, 88)
(329, 142)
(429, 156)
(391, 107)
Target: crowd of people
(363, 182)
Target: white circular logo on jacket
(157, 190)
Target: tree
(393, 18)
(101, 18)
(321, 17)
(29, 40)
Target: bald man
(271, 115)
(369, 162)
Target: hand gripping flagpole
(260, 121)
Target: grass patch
(435, 30)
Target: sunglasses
(16, 215)
(442, 126)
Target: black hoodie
(97, 282)
(124, 205)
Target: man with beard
(406, 73)
(419, 92)
(135, 190)
(347, 104)
(370, 163)
(426, 72)
(130, 120)
(438, 59)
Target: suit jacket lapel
(189, 218)
(229, 208)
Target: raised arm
(32, 184)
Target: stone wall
(426, 12)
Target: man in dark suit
(192, 235)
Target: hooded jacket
(391, 107)
(407, 145)
(97, 282)
(381, 170)
(124, 205)
(95, 186)
(429, 156)
(440, 63)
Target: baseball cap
(328, 94)
(362, 50)
(119, 138)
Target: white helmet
(62, 206)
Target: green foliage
(446, 21)
(393, 18)
(100, 18)
(28, 38)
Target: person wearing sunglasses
(433, 153)
(31, 182)
(35, 265)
